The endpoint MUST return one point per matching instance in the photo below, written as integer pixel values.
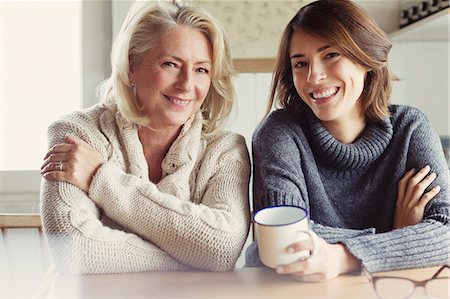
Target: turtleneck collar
(365, 150)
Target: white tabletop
(239, 283)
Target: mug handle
(312, 235)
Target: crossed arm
(166, 233)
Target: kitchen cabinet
(434, 27)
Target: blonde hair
(144, 23)
(348, 27)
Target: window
(41, 76)
(52, 56)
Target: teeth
(325, 93)
(178, 101)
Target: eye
(332, 55)
(299, 64)
(203, 70)
(169, 64)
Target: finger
(55, 176)
(47, 166)
(402, 186)
(299, 267)
(427, 197)
(420, 188)
(57, 157)
(416, 179)
(77, 141)
(57, 166)
(59, 148)
(300, 246)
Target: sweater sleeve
(207, 233)
(424, 244)
(78, 240)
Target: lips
(178, 101)
(324, 94)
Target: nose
(316, 73)
(184, 80)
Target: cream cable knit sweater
(197, 216)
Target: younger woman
(372, 175)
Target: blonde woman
(147, 180)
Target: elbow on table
(221, 261)
(223, 255)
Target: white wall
(424, 71)
(252, 93)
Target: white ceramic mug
(278, 227)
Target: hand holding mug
(279, 227)
(328, 261)
(286, 244)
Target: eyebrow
(321, 49)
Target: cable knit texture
(196, 217)
(351, 189)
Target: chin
(324, 116)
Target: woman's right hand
(74, 161)
(412, 198)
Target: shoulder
(277, 119)
(410, 121)
(402, 115)
(84, 124)
(86, 117)
(279, 125)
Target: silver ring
(59, 166)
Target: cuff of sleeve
(276, 198)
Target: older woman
(372, 175)
(146, 179)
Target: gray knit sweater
(351, 189)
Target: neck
(157, 140)
(346, 131)
(156, 143)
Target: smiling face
(173, 78)
(328, 82)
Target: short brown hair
(349, 28)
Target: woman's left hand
(412, 197)
(327, 262)
(74, 162)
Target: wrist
(349, 262)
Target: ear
(131, 68)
